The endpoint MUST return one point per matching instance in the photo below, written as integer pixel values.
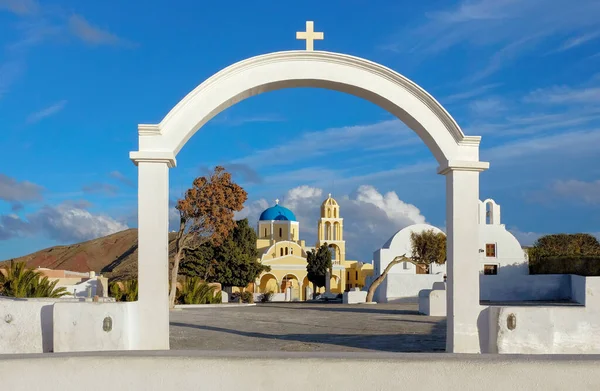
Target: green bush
(266, 297)
(244, 297)
(565, 254)
(124, 290)
(20, 281)
(195, 291)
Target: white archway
(457, 155)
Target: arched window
(334, 212)
(292, 250)
(286, 251)
(489, 213)
(328, 212)
(281, 251)
(280, 233)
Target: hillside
(114, 255)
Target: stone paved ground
(308, 327)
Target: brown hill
(115, 256)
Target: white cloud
(321, 143)
(525, 238)
(15, 193)
(370, 217)
(65, 223)
(565, 144)
(469, 93)
(9, 73)
(47, 112)
(564, 95)
(93, 35)
(578, 41)
(487, 107)
(506, 28)
(20, 7)
(588, 192)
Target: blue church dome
(277, 212)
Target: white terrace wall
(265, 371)
(551, 330)
(524, 287)
(80, 326)
(26, 325)
(46, 325)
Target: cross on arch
(309, 35)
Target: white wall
(405, 287)
(265, 371)
(26, 325)
(79, 326)
(524, 287)
(552, 330)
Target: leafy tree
(205, 215)
(19, 281)
(235, 260)
(375, 284)
(318, 263)
(428, 247)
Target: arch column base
(463, 308)
(153, 254)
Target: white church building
(503, 263)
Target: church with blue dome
(280, 247)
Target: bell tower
(331, 229)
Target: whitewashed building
(503, 264)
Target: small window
(265, 232)
(286, 251)
(490, 250)
(357, 275)
(281, 251)
(292, 251)
(490, 270)
(280, 233)
(348, 276)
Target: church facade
(280, 247)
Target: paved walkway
(308, 327)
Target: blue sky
(77, 77)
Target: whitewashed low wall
(26, 325)
(264, 371)
(80, 326)
(551, 330)
(405, 287)
(432, 302)
(354, 297)
(544, 287)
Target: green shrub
(124, 290)
(565, 254)
(195, 291)
(20, 281)
(266, 297)
(244, 297)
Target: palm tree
(195, 291)
(19, 281)
(42, 287)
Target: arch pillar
(462, 290)
(153, 249)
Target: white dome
(400, 241)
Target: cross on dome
(309, 35)
(329, 195)
(277, 201)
